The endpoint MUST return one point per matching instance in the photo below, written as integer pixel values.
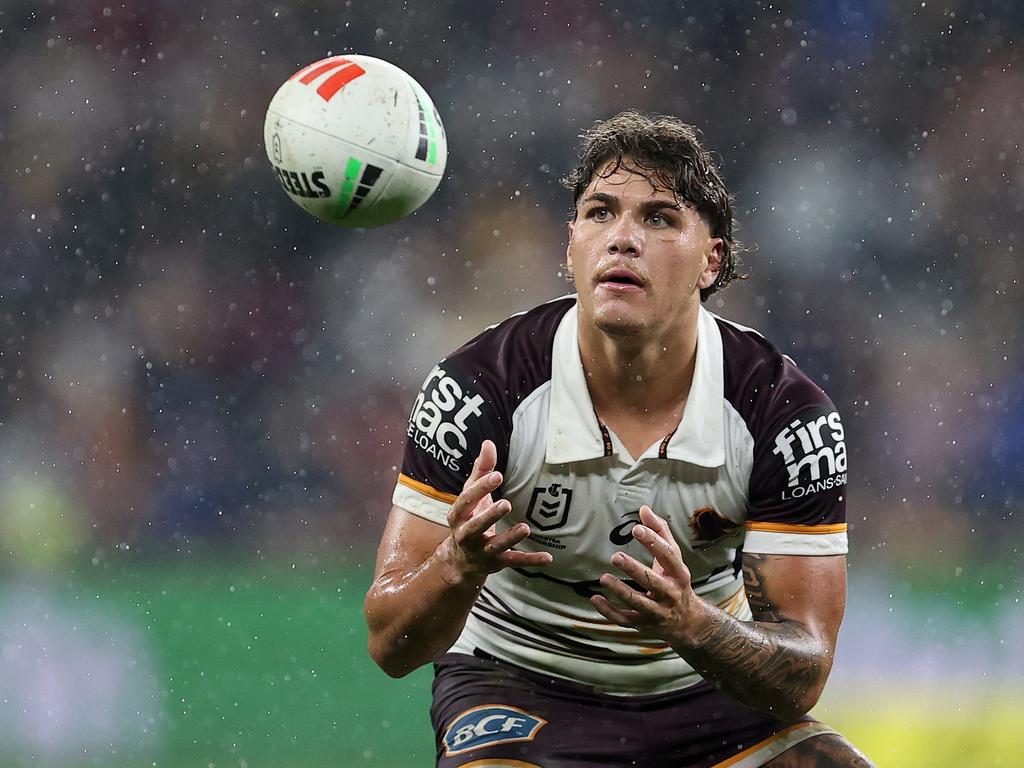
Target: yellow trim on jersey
(762, 744)
(789, 528)
(659, 649)
(587, 619)
(426, 490)
(499, 762)
(734, 603)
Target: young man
(619, 528)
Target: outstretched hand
(666, 606)
(477, 548)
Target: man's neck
(646, 378)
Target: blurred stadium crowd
(192, 364)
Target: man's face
(639, 255)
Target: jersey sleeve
(451, 417)
(798, 482)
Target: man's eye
(657, 219)
(599, 214)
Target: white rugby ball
(355, 141)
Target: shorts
(491, 714)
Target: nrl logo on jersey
(814, 452)
(440, 420)
(549, 506)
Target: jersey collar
(573, 431)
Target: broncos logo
(708, 526)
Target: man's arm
(778, 662)
(428, 575)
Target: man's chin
(617, 324)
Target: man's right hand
(475, 549)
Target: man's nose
(625, 238)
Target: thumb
(485, 462)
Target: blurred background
(203, 390)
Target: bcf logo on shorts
(488, 725)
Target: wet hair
(667, 152)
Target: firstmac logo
(814, 452)
(439, 423)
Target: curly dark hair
(668, 152)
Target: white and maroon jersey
(757, 463)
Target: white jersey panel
(582, 512)
(753, 464)
(421, 505)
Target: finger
(666, 553)
(488, 455)
(658, 524)
(515, 558)
(624, 618)
(476, 526)
(485, 462)
(472, 495)
(629, 596)
(646, 577)
(507, 539)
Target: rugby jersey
(757, 463)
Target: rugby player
(619, 528)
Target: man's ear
(714, 264)
(568, 248)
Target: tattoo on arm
(760, 605)
(772, 663)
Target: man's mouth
(620, 277)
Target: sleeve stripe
(426, 490)
(774, 746)
(790, 528)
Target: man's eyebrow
(654, 204)
(598, 197)
(604, 197)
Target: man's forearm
(778, 664)
(779, 668)
(414, 616)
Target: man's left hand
(668, 606)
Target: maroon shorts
(491, 714)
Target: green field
(907, 733)
(251, 668)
